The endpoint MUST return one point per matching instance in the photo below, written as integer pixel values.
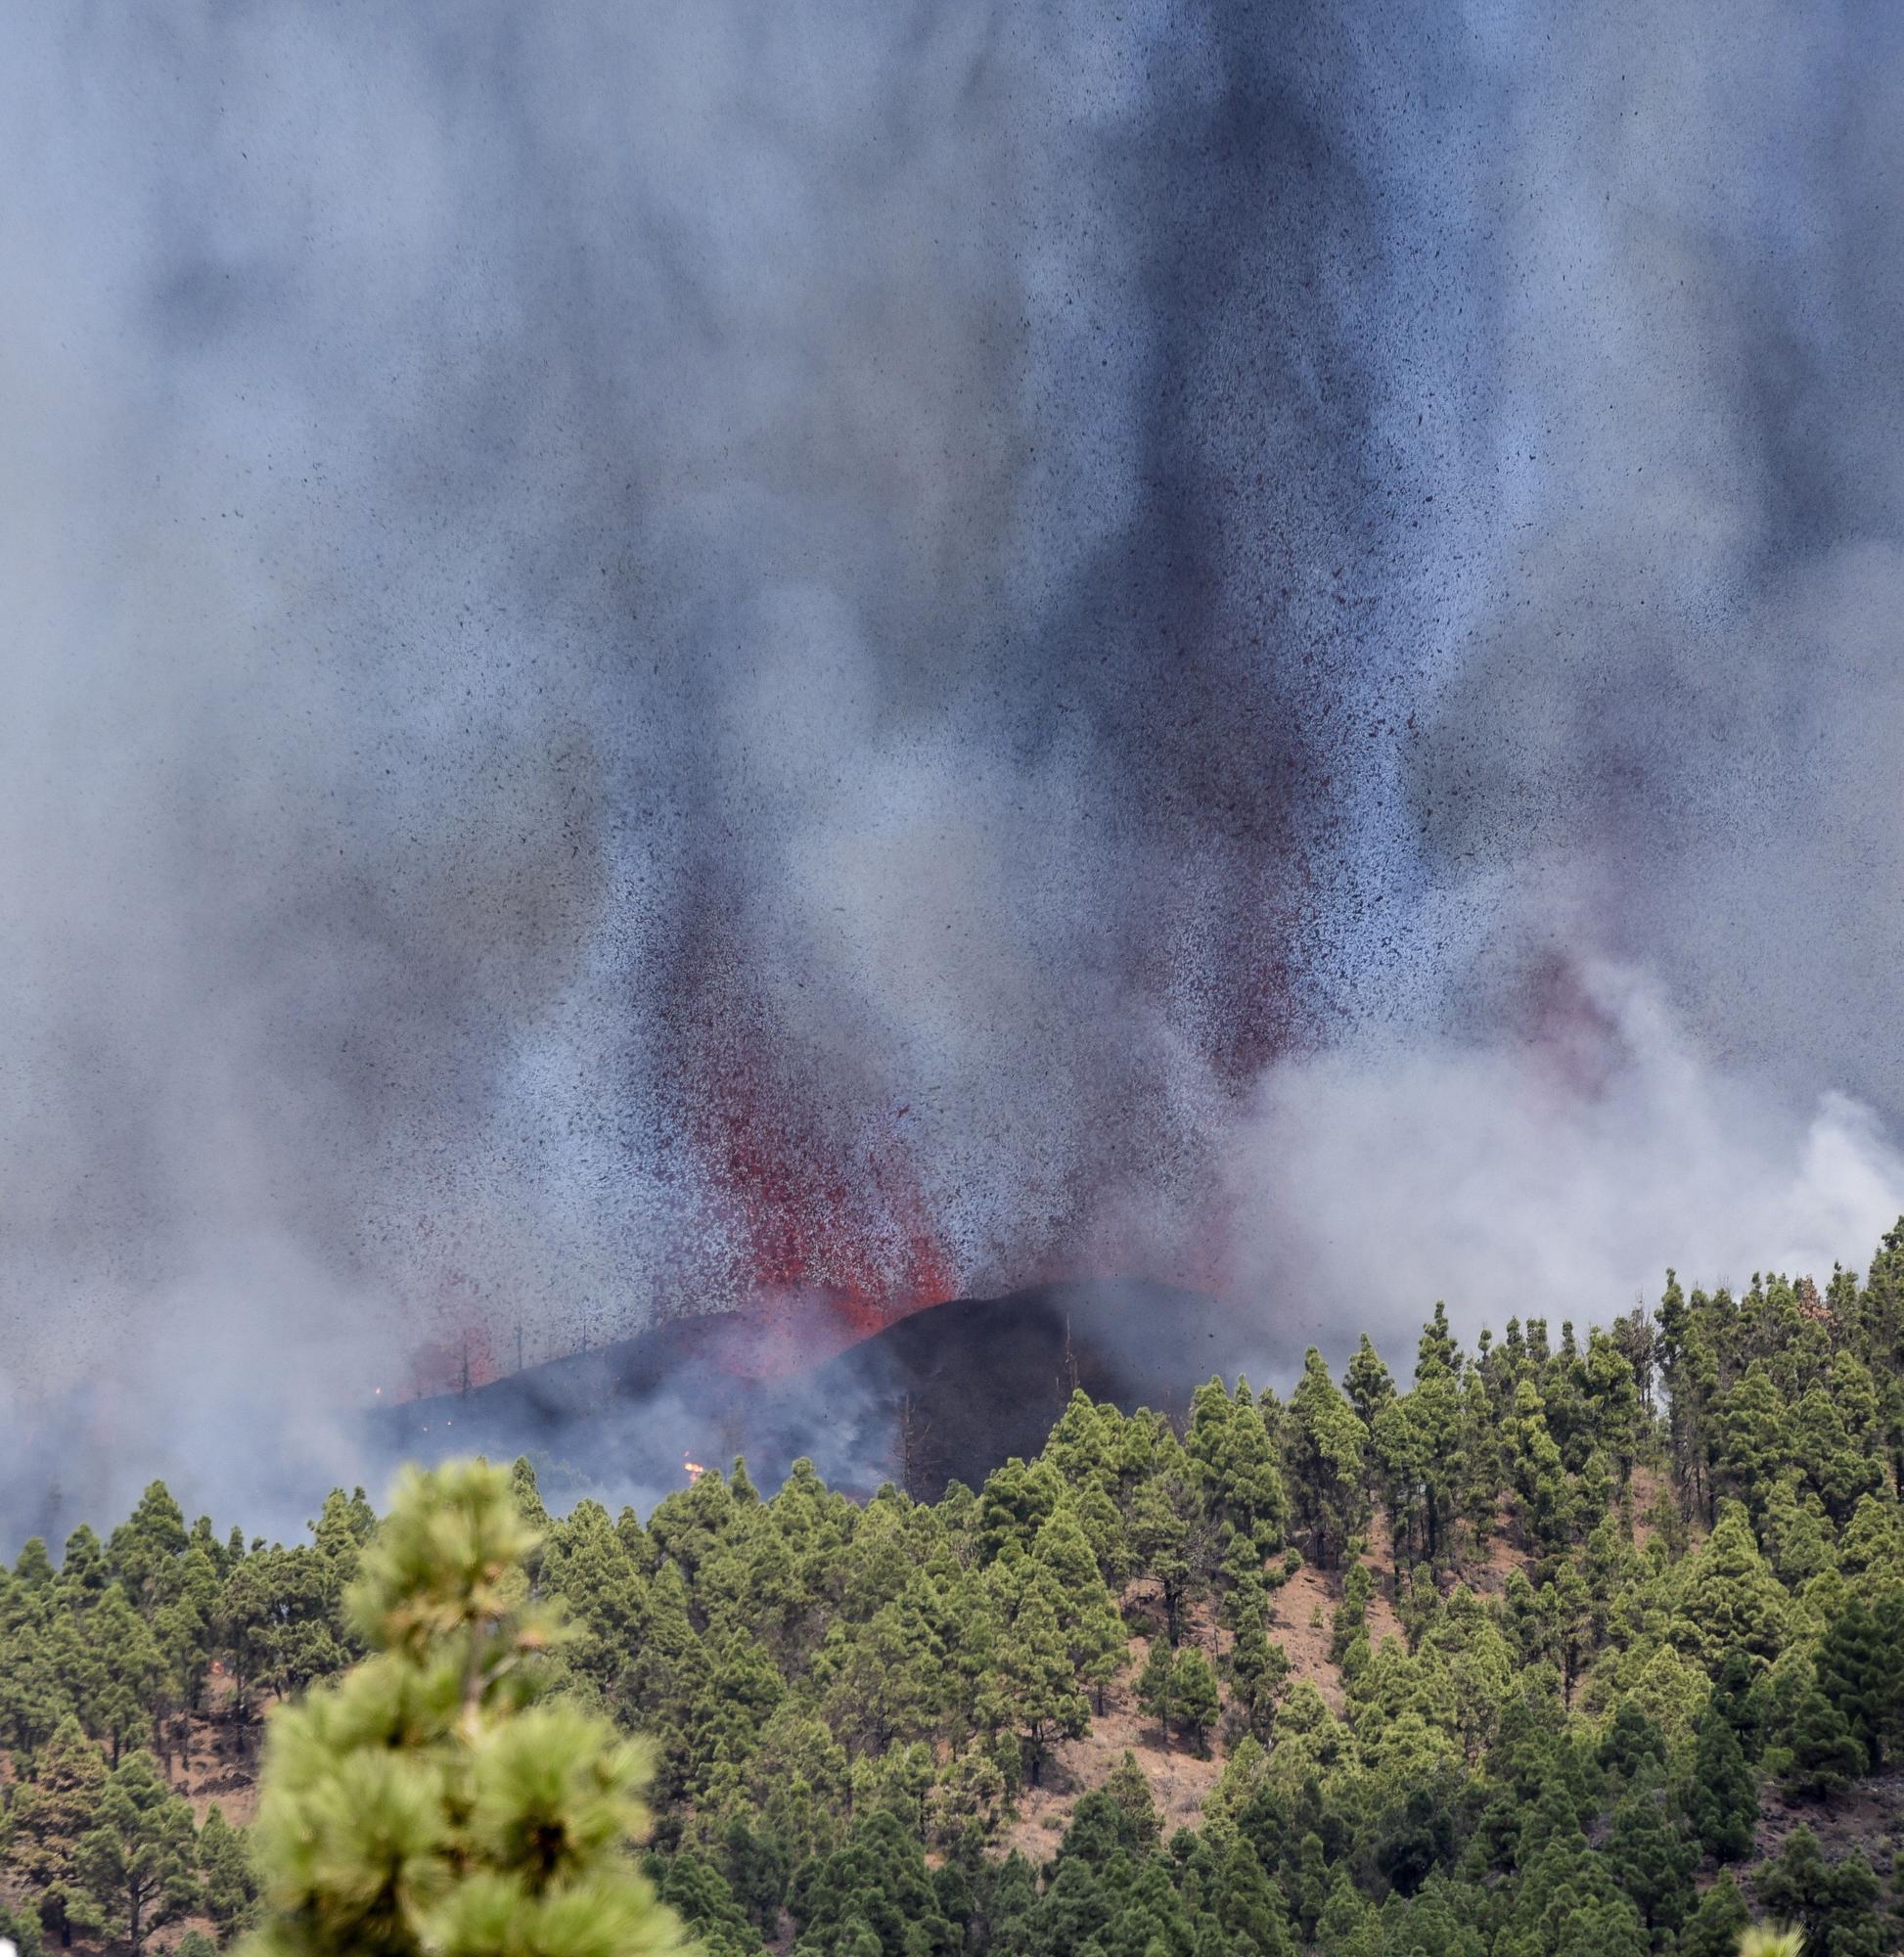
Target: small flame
(694, 1470)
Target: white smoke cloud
(1557, 1176)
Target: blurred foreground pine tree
(438, 1799)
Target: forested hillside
(1577, 1644)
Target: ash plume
(895, 650)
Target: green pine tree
(438, 1799)
(1824, 1754)
(1193, 1695)
(47, 1817)
(22, 1928)
(1326, 1449)
(1038, 1682)
(1861, 1671)
(1651, 1860)
(1833, 1902)
(1259, 1666)
(1731, 1602)
(1161, 1530)
(1722, 1800)
(1715, 1927)
(137, 1865)
(145, 1549)
(227, 1880)
(1127, 1787)
(131, 1668)
(1157, 1686)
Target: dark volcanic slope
(967, 1385)
(946, 1393)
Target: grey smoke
(1115, 595)
(1487, 1172)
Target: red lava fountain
(805, 1223)
(833, 1238)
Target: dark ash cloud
(901, 650)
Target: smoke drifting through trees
(919, 648)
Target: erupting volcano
(721, 686)
(817, 1187)
(814, 1300)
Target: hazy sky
(652, 649)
